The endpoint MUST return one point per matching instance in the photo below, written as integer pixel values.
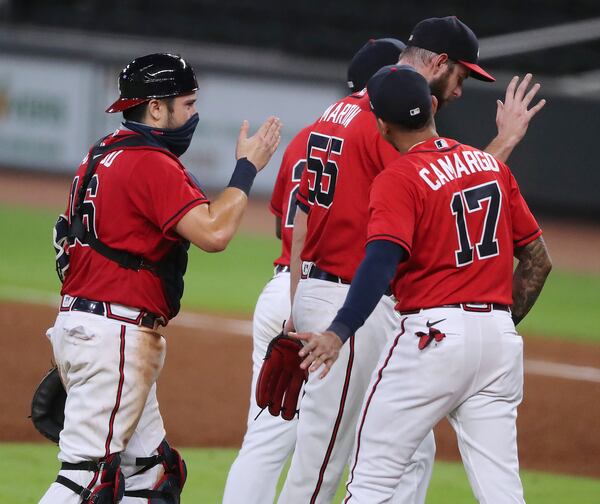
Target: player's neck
(403, 141)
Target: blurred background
(59, 63)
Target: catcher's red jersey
(459, 214)
(344, 154)
(140, 189)
(283, 200)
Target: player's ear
(439, 64)
(434, 105)
(383, 128)
(155, 111)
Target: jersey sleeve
(393, 210)
(277, 203)
(525, 228)
(164, 192)
(302, 196)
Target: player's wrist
(243, 175)
(341, 330)
(507, 140)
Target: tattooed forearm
(529, 277)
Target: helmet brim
(125, 103)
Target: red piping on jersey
(202, 201)
(276, 211)
(338, 420)
(368, 403)
(119, 392)
(302, 198)
(518, 242)
(390, 237)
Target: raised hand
(513, 115)
(260, 147)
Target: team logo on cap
(415, 111)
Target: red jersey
(283, 200)
(133, 203)
(345, 152)
(459, 214)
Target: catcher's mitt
(281, 379)
(48, 406)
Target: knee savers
(108, 471)
(168, 489)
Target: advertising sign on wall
(44, 112)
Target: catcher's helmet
(153, 76)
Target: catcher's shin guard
(168, 489)
(108, 472)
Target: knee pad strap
(112, 483)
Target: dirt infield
(204, 389)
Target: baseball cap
(400, 95)
(451, 36)
(375, 54)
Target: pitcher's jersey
(133, 203)
(459, 214)
(344, 154)
(283, 200)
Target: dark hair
(137, 113)
(425, 122)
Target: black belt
(318, 274)
(281, 268)
(98, 308)
(470, 307)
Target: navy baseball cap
(451, 36)
(400, 95)
(376, 53)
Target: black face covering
(177, 140)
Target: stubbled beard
(439, 88)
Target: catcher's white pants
(474, 375)
(109, 370)
(269, 440)
(330, 407)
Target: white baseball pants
(330, 407)
(269, 440)
(109, 370)
(474, 376)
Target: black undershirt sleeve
(370, 282)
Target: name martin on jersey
(457, 165)
(340, 113)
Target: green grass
(230, 282)
(226, 282)
(30, 468)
